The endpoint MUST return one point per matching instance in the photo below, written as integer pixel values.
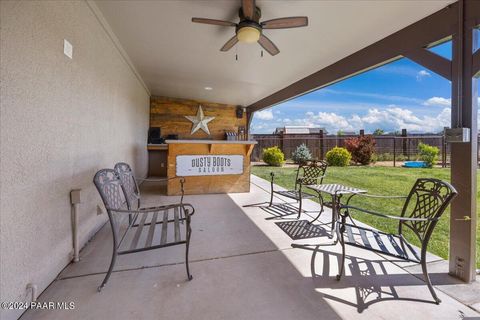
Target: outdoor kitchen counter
(210, 142)
(209, 166)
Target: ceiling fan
(250, 29)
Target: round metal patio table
(336, 191)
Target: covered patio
(246, 265)
(87, 84)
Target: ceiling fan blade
(284, 23)
(268, 45)
(248, 8)
(214, 22)
(229, 44)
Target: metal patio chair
(122, 200)
(310, 172)
(421, 211)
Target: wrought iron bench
(421, 211)
(130, 186)
(311, 172)
(121, 197)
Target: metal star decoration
(200, 121)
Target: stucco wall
(61, 121)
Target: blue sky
(398, 95)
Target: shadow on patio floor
(302, 229)
(244, 267)
(371, 279)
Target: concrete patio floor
(246, 265)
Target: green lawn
(384, 181)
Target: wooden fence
(388, 147)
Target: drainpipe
(75, 201)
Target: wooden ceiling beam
(431, 61)
(476, 64)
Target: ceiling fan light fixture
(249, 28)
(248, 34)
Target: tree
(378, 132)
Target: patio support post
(463, 218)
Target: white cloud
(438, 101)
(264, 115)
(422, 74)
(444, 117)
(329, 120)
(361, 116)
(397, 118)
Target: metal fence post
(281, 142)
(394, 151)
(444, 151)
(321, 145)
(404, 144)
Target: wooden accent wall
(169, 114)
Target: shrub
(362, 148)
(273, 156)
(301, 154)
(338, 157)
(428, 154)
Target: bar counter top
(210, 141)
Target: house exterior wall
(61, 120)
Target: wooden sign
(209, 165)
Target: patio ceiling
(178, 58)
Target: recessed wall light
(208, 88)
